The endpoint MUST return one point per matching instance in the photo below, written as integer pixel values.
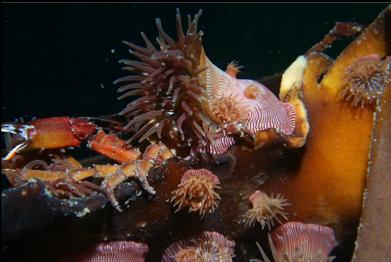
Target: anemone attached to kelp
(365, 80)
(265, 210)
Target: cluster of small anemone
(197, 193)
(293, 241)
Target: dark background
(55, 58)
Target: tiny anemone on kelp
(190, 103)
(265, 210)
(365, 80)
(197, 191)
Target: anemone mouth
(167, 87)
(365, 79)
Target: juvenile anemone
(365, 80)
(208, 247)
(295, 241)
(265, 210)
(197, 192)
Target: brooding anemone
(179, 90)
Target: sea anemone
(197, 191)
(295, 241)
(208, 247)
(365, 79)
(179, 90)
(169, 86)
(113, 251)
(265, 210)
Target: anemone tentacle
(168, 86)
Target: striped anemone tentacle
(167, 88)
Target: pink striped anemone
(113, 251)
(296, 241)
(207, 247)
(254, 105)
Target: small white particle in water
(102, 86)
(112, 51)
(83, 212)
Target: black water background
(61, 59)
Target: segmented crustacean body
(66, 178)
(180, 89)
